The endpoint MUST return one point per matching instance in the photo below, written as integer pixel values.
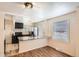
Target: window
(61, 30)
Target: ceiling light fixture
(28, 5)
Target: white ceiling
(41, 10)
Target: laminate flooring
(43, 52)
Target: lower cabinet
(31, 44)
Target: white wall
(66, 47)
(1, 34)
(72, 46)
(76, 37)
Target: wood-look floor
(42, 52)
